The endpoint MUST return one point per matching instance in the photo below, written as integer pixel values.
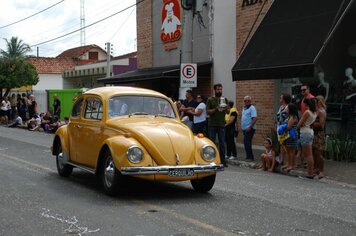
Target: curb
(293, 173)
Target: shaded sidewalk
(335, 171)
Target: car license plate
(181, 172)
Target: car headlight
(208, 153)
(134, 154)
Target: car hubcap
(60, 160)
(109, 172)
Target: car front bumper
(164, 170)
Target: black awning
(155, 73)
(289, 39)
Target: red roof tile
(50, 65)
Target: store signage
(188, 75)
(247, 3)
(171, 21)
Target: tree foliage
(15, 71)
(15, 49)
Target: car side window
(93, 109)
(77, 108)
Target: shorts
(306, 138)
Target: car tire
(64, 170)
(203, 185)
(110, 176)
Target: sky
(63, 18)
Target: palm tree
(13, 66)
(15, 49)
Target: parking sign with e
(188, 75)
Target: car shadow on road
(134, 188)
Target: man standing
(215, 107)
(56, 107)
(248, 126)
(189, 104)
(305, 90)
(32, 106)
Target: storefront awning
(290, 39)
(155, 73)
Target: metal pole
(186, 43)
(108, 60)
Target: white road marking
(73, 223)
(31, 164)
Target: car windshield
(140, 105)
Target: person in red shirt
(305, 90)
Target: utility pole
(82, 23)
(186, 42)
(108, 53)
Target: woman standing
(319, 136)
(307, 134)
(199, 116)
(281, 116)
(230, 130)
(290, 145)
(4, 110)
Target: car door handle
(78, 126)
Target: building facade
(283, 44)
(169, 34)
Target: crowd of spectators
(300, 134)
(21, 110)
(300, 129)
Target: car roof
(121, 90)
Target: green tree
(15, 71)
(15, 48)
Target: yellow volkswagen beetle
(116, 131)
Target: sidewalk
(343, 173)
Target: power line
(72, 26)
(122, 24)
(31, 15)
(87, 26)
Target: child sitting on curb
(268, 158)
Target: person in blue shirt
(248, 126)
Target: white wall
(49, 81)
(122, 62)
(224, 45)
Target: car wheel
(63, 169)
(110, 175)
(203, 185)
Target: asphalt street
(34, 200)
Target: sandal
(284, 167)
(306, 177)
(320, 176)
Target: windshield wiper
(138, 113)
(163, 115)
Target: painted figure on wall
(171, 24)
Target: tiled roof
(128, 55)
(50, 65)
(79, 51)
